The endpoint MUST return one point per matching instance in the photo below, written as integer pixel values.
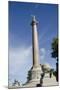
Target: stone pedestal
(34, 76)
(35, 73)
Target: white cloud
(42, 53)
(43, 50)
(18, 57)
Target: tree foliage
(55, 48)
(55, 54)
(29, 75)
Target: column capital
(34, 21)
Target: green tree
(55, 54)
(54, 73)
(29, 76)
(55, 48)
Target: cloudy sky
(20, 36)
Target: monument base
(34, 75)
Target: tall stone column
(34, 74)
(35, 47)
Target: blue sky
(20, 36)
